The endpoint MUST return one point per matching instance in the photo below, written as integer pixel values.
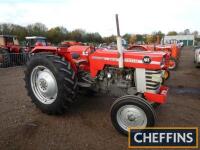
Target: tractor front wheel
(131, 111)
(51, 83)
(4, 58)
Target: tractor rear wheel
(51, 83)
(173, 63)
(131, 111)
(4, 58)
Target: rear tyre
(51, 83)
(173, 64)
(4, 58)
(131, 111)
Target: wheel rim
(172, 64)
(44, 85)
(131, 116)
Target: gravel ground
(88, 125)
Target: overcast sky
(136, 16)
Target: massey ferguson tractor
(55, 75)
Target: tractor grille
(153, 80)
(13, 59)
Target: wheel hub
(44, 84)
(131, 116)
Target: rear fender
(68, 58)
(55, 50)
(38, 49)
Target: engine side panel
(101, 58)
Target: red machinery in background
(10, 51)
(173, 49)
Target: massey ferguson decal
(146, 60)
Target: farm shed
(188, 40)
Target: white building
(188, 40)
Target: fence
(13, 59)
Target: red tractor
(54, 75)
(172, 49)
(33, 41)
(70, 43)
(9, 44)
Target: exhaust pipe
(119, 44)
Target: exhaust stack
(119, 44)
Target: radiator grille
(153, 80)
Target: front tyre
(131, 111)
(51, 83)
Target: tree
(126, 37)
(133, 39)
(37, 29)
(139, 38)
(149, 39)
(157, 37)
(186, 31)
(195, 33)
(4, 28)
(57, 34)
(172, 33)
(109, 39)
(77, 35)
(12, 29)
(20, 31)
(93, 38)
